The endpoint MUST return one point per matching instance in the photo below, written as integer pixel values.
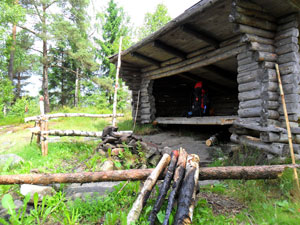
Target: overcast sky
(136, 9)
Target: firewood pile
(116, 144)
(181, 176)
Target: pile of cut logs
(116, 142)
(183, 170)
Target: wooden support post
(117, 84)
(287, 126)
(42, 135)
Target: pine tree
(154, 21)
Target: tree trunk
(12, 51)
(45, 63)
(18, 92)
(205, 173)
(77, 88)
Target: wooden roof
(204, 25)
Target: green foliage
(154, 21)
(6, 95)
(114, 24)
(25, 106)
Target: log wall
(269, 40)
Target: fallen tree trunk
(205, 173)
(56, 115)
(141, 200)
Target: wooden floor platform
(207, 120)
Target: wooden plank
(206, 120)
(169, 49)
(146, 58)
(200, 35)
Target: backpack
(200, 101)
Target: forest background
(59, 41)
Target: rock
(76, 190)
(107, 165)
(40, 190)
(101, 152)
(12, 158)
(154, 160)
(116, 151)
(143, 166)
(107, 146)
(166, 150)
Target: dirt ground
(174, 140)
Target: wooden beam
(200, 35)
(169, 49)
(206, 120)
(145, 58)
(220, 71)
(197, 62)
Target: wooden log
(178, 177)
(245, 61)
(290, 67)
(286, 41)
(290, 79)
(248, 67)
(268, 65)
(250, 103)
(243, 55)
(247, 5)
(240, 28)
(254, 85)
(164, 188)
(288, 57)
(236, 17)
(249, 95)
(185, 66)
(213, 139)
(186, 194)
(57, 115)
(289, 18)
(292, 32)
(256, 46)
(255, 143)
(258, 39)
(250, 76)
(292, 47)
(291, 24)
(265, 56)
(77, 133)
(269, 137)
(250, 112)
(205, 173)
(141, 200)
(255, 14)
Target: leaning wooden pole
(287, 126)
(187, 194)
(141, 200)
(205, 173)
(117, 84)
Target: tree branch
(31, 31)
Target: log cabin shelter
(232, 46)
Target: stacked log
(147, 106)
(115, 143)
(133, 80)
(287, 48)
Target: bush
(24, 105)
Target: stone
(154, 160)
(107, 146)
(107, 165)
(12, 158)
(116, 151)
(42, 191)
(101, 152)
(76, 190)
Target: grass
(266, 201)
